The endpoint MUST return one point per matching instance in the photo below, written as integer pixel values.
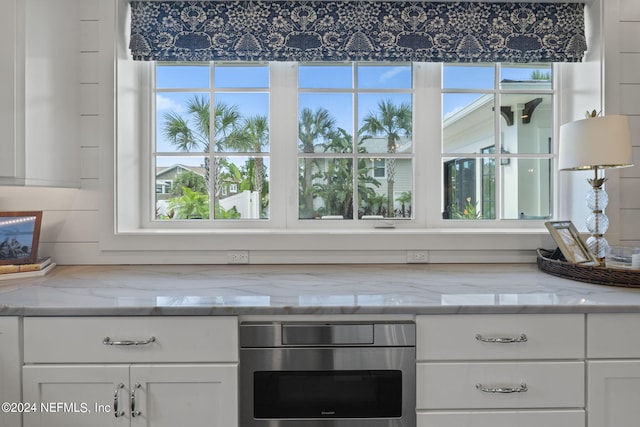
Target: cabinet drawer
(500, 337)
(456, 385)
(503, 419)
(613, 335)
(175, 339)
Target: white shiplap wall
(623, 80)
(72, 217)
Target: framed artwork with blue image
(19, 237)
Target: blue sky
(314, 77)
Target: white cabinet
(39, 93)
(189, 395)
(10, 370)
(500, 370)
(613, 349)
(151, 371)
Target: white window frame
(122, 127)
(497, 92)
(428, 166)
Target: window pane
(325, 188)
(241, 122)
(469, 188)
(385, 123)
(526, 124)
(182, 122)
(242, 188)
(325, 76)
(384, 76)
(325, 123)
(526, 188)
(526, 76)
(468, 76)
(182, 188)
(468, 122)
(182, 76)
(385, 187)
(233, 76)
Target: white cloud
(453, 112)
(392, 73)
(165, 103)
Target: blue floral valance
(357, 30)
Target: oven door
(337, 387)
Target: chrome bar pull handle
(115, 401)
(503, 340)
(522, 388)
(109, 341)
(134, 413)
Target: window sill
(397, 239)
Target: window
(507, 106)
(220, 155)
(347, 114)
(287, 144)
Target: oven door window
(328, 394)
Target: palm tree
(253, 137)
(193, 133)
(405, 200)
(312, 125)
(392, 122)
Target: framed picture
(571, 245)
(19, 237)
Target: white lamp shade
(598, 142)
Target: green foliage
(470, 211)
(190, 132)
(330, 180)
(191, 205)
(190, 180)
(540, 75)
(392, 122)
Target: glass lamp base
(598, 246)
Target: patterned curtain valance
(357, 30)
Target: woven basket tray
(587, 273)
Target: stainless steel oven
(340, 374)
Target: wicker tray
(587, 273)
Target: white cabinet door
(464, 385)
(9, 370)
(40, 94)
(613, 393)
(613, 335)
(151, 395)
(161, 339)
(500, 337)
(75, 395)
(189, 395)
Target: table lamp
(592, 144)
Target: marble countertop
(306, 289)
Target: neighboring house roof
(172, 171)
(379, 145)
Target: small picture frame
(571, 245)
(19, 237)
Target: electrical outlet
(237, 257)
(417, 257)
